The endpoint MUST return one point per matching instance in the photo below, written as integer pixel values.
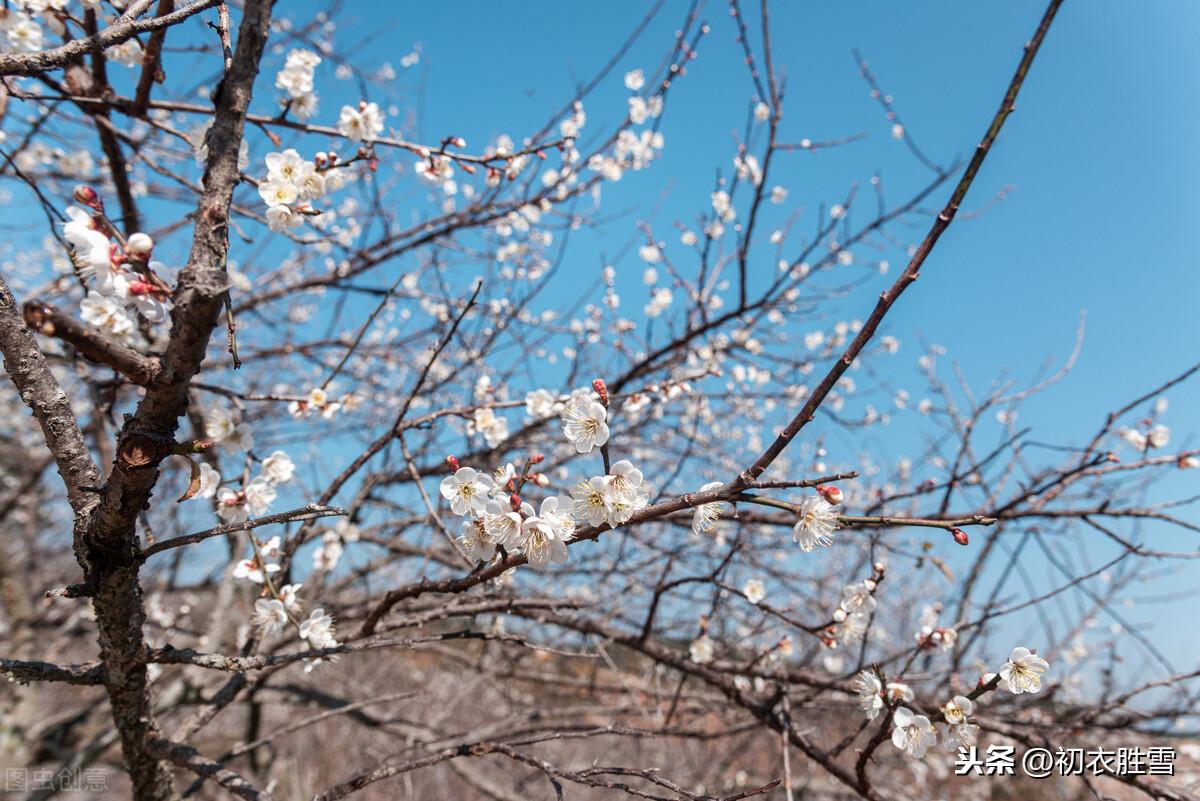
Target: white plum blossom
(318, 629)
(289, 594)
(541, 404)
(269, 616)
(958, 732)
(327, 555)
(105, 314)
(870, 694)
(260, 494)
(635, 80)
(254, 570)
(503, 523)
(705, 515)
(583, 423)
(467, 490)
(913, 733)
(816, 521)
(278, 468)
(1022, 673)
(754, 591)
(364, 122)
(490, 425)
(859, 598)
(590, 504)
(475, 539)
(210, 479)
(701, 650)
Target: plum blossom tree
(434, 529)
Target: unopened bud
(453, 462)
(879, 568)
(87, 195)
(140, 288)
(831, 493)
(514, 501)
(537, 458)
(139, 246)
(870, 585)
(960, 536)
(601, 390)
(542, 480)
(1188, 462)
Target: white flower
(540, 542)
(701, 650)
(317, 628)
(557, 512)
(328, 553)
(870, 694)
(25, 35)
(128, 53)
(467, 491)
(289, 594)
(278, 193)
(254, 570)
(494, 428)
(278, 468)
(285, 167)
(635, 80)
(231, 506)
(260, 494)
(958, 732)
(280, 218)
(584, 425)
(957, 710)
(899, 692)
(815, 524)
(754, 591)
(346, 531)
(857, 598)
(90, 248)
(848, 628)
(624, 492)
(590, 504)
(962, 735)
(269, 616)
(210, 479)
(1158, 436)
(475, 539)
(106, 314)
(540, 404)
(365, 122)
(913, 733)
(503, 524)
(1022, 673)
(705, 516)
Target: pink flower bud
(87, 195)
(601, 390)
(140, 288)
(514, 501)
(453, 462)
(831, 493)
(960, 536)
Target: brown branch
(187, 757)
(90, 343)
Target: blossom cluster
(122, 277)
(293, 182)
(914, 733)
(296, 80)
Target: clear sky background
(1097, 171)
